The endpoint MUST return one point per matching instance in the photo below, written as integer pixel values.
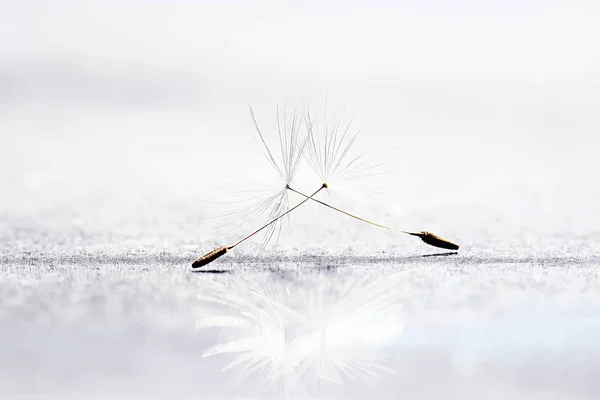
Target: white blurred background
(134, 106)
(118, 117)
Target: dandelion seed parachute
(219, 251)
(353, 172)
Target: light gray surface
(119, 120)
(469, 326)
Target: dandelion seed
(274, 206)
(221, 250)
(352, 175)
(291, 145)
(329, 153)
(425, 236)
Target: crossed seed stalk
(425, 236)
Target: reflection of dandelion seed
(258, 322)
(298, 336)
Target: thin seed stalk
(221, 250)
(427, 237)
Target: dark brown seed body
(209, 257)
(436, 241)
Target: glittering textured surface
(123, 125)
